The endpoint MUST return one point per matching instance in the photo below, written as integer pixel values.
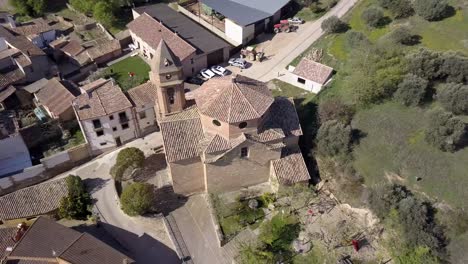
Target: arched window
(170, 95)
(216, 123)
(243, 125)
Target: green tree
(137, 198)
(399, 8)
(334, 139)
(454, 98)
(356, 40)
(77, 204)
(431, 9)
(411, 91)
(84, 6)
(402, 35)
(373, 16)
(425, 64)
(253, 255)
(334, 25)
(445, 131)
(32, 8)
(104, 13)
(454, 67)
(128, 158)
(37, 6)
(334, 109)
(279, 232)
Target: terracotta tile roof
(4, 94)
(10, 76)
(6, 240)
(291, 168)
(88, 249)
(282, 119)
(10, 52)
(144, 94)
(33, 201)
(233, 98)
(33, 27)
(103, 100)
(314, 71)
(45, 241)
(55, 97)
(20, 42)
(22, 60)
(93, 85)
(58, 43)
(72, 48)
(182, 134)
(152, 32)
(103, 49)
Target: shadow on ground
(152, 164)
(95, 184)
(166, 201)
(143, 249)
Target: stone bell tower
(166, 74)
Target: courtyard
(129, 72)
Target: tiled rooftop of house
(7, 92)
(55, 96)
(233, 99)
(106, 99)
(21, 43)
(33, 201)
(72, 48)
(144, 94)
(312, 70)
(10, 76)
(291, 168)
(159, 32)
(45, 240)
(103, 49)
(6, 240)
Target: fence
(49, 168)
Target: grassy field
(394, 143)
(280, 88)
(120, 72)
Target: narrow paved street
(144, 237)
(295, 44)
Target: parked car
(195, 80)
(237, 62)
(219, 70)
(295, 20)
(207, 73)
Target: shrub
(411, 91)
(431, 9)
(76, 205)
(127, 159)
(279, 232)
(356, 39)
(373, 16)
(104, 13)
(33, 8)
(402, 35)
(399, 8)
(445, 131)
(384, 198)
(334, 109)
(84, 6)
(334, 139)
(454, 98)
(137, 198)
(425, 64)
(454, 67)
(334, 25)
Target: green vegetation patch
(280, 88)
(121, 70)
(393, 143)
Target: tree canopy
(445, 131)
(334, 139)
(334, 25)
(411, 91)
(34, 8)
(431, 9)
(454, 98)
(77, 204)
(137, 198)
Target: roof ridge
(230, 103)
(73, 242)
(246, 99)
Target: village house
(240, 21)
(105, 115)
(47, 241)
(144, 99)
(56, 100)
(234, 135)
(311, 75)
(194, 46)
(14, 154)
(31, 202)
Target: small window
(123, 115)
(216, 123)
(300, 80)
(243, 125)
(191, 61)
(244, 152)
(168, 76)
(97, 123)
(114, 129)
(170, 95)
(103, 143)
(111, 117)
(125, 126)
(142, 115)
(100, 133)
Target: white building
(246, 19)
(105, 115)
(144, 99)
(311, 75)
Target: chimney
(11, 21)
(176, 33)
(21, 229)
